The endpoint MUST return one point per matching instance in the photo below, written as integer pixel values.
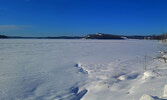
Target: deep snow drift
(81, 69)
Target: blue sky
(81, 17)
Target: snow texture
(43, 69)
(146, 97)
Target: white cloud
(13, 27)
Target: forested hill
(89, 36)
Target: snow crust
(149, 74)
(32, 69)
(146, 97)
(165, 91)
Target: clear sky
(81, 17)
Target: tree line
(3, 36)
(160, 37)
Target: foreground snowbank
(81, 69)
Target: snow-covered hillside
(34, 69)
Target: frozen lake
(41, 69)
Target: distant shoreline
(89, 36)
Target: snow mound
(80, 68)
(149, 74)
(165, 56)
(165, 91)
(128, 76)
(146, 97)
(123, 77)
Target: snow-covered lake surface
(41, 69)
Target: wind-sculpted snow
(81, 70)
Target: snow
(146, 97)
(149, 74)
(48, 69)
(165, 91)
